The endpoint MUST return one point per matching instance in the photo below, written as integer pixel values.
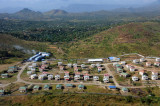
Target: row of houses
(11, 69)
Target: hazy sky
(53, 4)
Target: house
(58, 86)
(114, 64)
(29, 67)
(34, 76)
(136, 61)
(23, 89)
(69, 85)
(123, 62)
(66, 77)
(81, 86)
(2, 92)
(75, 65)
(61, 68)
(66, 72)
(119, 66)
(33, 70)
(75, 69)
(42, 77)
(29, 72)
(57, 77)
(132, 69)
(154, 72)
(125, 90)
(36, 88)
(106, 78)
(144, 77)
(46, 87)
(114, 59)
(41, 69)
(96, 78)
(11, 70)
(128, 66)
(69, 65)
(86, 77)
(60, 63)
(157, 59)
(13, 67)
(141, 72)
(119, 70)
(34, 64)
(83, 66)
(157, 64)
(112, 87)
(77, 76)
(98, 65)
(99, 69)
(50, 77)
(135, 78)
(93, 65)
(124, 74)
(148, 64)
(95, 60)
(142, 60)
(4, 75)
(154, 77)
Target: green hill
(142, 38)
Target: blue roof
(112, 87)
(111, 58)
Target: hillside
(55, 12)
(142, 38)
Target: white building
(33, 70)
(114, 64)
(142, 60)
(57, 77)
(132, 69)
(157, 64)
(29, 72)
(144, 77)
(134, 78)
(136, 61)
(148, 64)
(50, 77)
(141, 72)
(106, 78)
(128, 66)
(154, 77)
(77, 77)
(93, 65)
(83, 66)
(86, 77)
(66, 77)
(155, 73)
(95, 60)
(34, 76)
(60, 63)
(42, 77)
(157, 59)
(98, 65)
(69, 65)
(96, 78)
(123, 62)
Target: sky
(56, 4)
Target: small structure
(2, 92)
(66, 77)
(34, 76)
(144, 77)
(142, 60)
(29, 72)
(83, 66)
(76, 69)
(86, 77)
(29, 67)
(93, 65)
(124, 75)
(123, 62)
(141, 72)
(41, 69)
(81, 86)
(4, 75)
(69, 65)
(42, 77)
(46, 87)
(13, 67)
(95, 60)
(135, 78)
(106, 78)
(60, 63)
(157, 59)
(157, 64)
(59, 86)
(77, 76)
(119, 70)
(50, 77)
(36, 88)
(99, 69)
(69, 85)
(34, 64)
(155, 73)
(33, 70)
(23, 89)
(11, 70)
(119, 66)
(114, 59)
(98, 65)
(75, 65)
(114, 64)
(132, 68)
(148, 64)
(112, 87)
(154, 77)
(128, 66)
(96, 78)
(57, 77)
(136, 61)
(125, 90)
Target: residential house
(86, 77)
(93, 65)
(29, 67)
(136, 61)
(33, 70)
(123, 62)
(34, 64)
(36, 87)
(69, 85)
(142, 60)
(59, 86)
(46, 87)
(112, 87)
(135, 78)
(119, 66)
(157, 59)
(13, 67)
(155, 73)
(148, 64)
(106, 78)
(29, 72)
(132, 69)
(98, 65)
(23, 89)
(141, 72)
(42, 77)
(50, 77)
(60, 63)
(66, 72)
(81, 86)
(75, 65)
(144, 77)
(66, 77)
(76, 69)
(124, 74)
(4, 75)
(83, 66)
(157, 64)
(119, 70)
(114, 64)
(128, 66)
(154, 77)
(57, 77)
(2, 92)
(41, 69)
(69, 65)
(125, 90)
(114, 59)
(96, 78)
(11, 71)
(77, 76)
(34, 76)
(99, 69)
